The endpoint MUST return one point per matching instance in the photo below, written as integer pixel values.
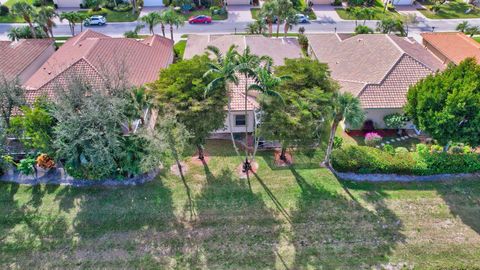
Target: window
(240, 120)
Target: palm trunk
(283, 155)
(201, 154)
(230, 124)
(286, 29)
(163, 30)
(278, 27)
(270, 28)
(328, 153)
(81, 26)
(171, 32)
(134, 4)
(32, 28)
(247, 164)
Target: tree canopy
(446, 105)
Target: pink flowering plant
(372, 138)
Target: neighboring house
(277, 49)
(451, 47)
(94, 57)
(20, 59)
(376, 68)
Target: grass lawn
(255, 13)
(477, 39)
(300, 217)
(115, 16)
(179, 48)
(216, 17)
(9, 3)
(378, 8)
(452, 10)
(10, 18)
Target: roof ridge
(395, 44)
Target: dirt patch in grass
(242, 174)
(283, 163)
(174, 169)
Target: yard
(299, 217)
(115, 16)
(477, 39)
(451, 10)
(255, 13)
(378, 9)
(11, 18)
(216, 17)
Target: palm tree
(27, 12)
(463, 26)
(45, 19)
(225, 67)
(283, 9)
(173, 18)
(162, 21)
(473, 31)
(72, 19)
(367, 14)
(81, 16)
(151, 20)
(290, 20)
(345, 107)
(266, 83)
(269, 12)
(257, 27)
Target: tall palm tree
(151, 20)
(266, 83)
(27, 12)
(72, 19)
(269, 12)
(225, 69)
(345, 107)
(290, 20)
(172, 18)
(162, 20)
(45, 19)
(463, 26)
(283, 9)
(81, 16)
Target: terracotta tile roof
(15, 57)
(91, 54)
(454, 46)
(277, 48)
(237, 95)
(376, 68)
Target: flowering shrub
(45, 162)
(372, 138)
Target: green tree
(12, 96)
(363, 29)
(72, 18)
(463, 26)
(290, 20)
(259, 27)
(182, 86)
(473, 31)
(24, 32)
(45, 19)
(366, 14)
(269, 12)
(283, 10)
(172, 18)
(35, 126)
(390, 25)
(27, 12)
(346, 108)
(151, 20)
(224, 68)
(299, 116)
(446, 105)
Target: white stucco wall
(376, 115)
(68, 3)
(238, 129)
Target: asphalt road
(117, 29)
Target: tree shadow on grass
(331, 231)
(235, 229)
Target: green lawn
(179, 48)
(10, 18)
(477, 39)
(216, 17)
(378, 8)
(114, 16)
(255, 12)
(452, 10)
(300, 217)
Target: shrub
(422, 149)
(395, 120)
(124, 7)
(27, 165)
(363, 29)
(372, 138)
(303, 41)
(401, 150)
(337, 3)
(44, 161)
(389, 149)
(436, 148)
(337, 142)
(37, 3)
(130, 34)
(301, 30)
(4, 10)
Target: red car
(200, 19)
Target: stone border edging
(58, 177)
(377, 177)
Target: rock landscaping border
(357, 177)
(59, 177)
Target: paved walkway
(239, 14)
(147, 10)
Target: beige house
(276, 48)
(21, 59)
(376, 68)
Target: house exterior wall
(321, 2)
(238, 129)
(376, 115)
(436, 52)
(36, 64)
(153, 3)
(402, 2)
(68, 3)
(237, 2)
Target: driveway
(239, 14)
(326, 14)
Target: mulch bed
(282, 163)
(242, 174)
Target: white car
(301, 18)
(95, 20)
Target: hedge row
(364, 159)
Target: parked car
(200, 19)
(95, 20)
(301, 18)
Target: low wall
(404, 178)
(60, 177)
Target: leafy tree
(182, 86)
(390, 25)
(151, 20)
(290, 20)
(409, 19)
(463, 26)
(35, 126)
(473, 31)
(446, 105)
(269, 13)
(259, 27)
(283, 10)
(27, 12)
(12, 96)
(45, 19)
(24, 32)
(366, 14)
(72, 18)
(224, 69)
(172, 18)
(298, 117)
(346, 108)
(363, 29)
